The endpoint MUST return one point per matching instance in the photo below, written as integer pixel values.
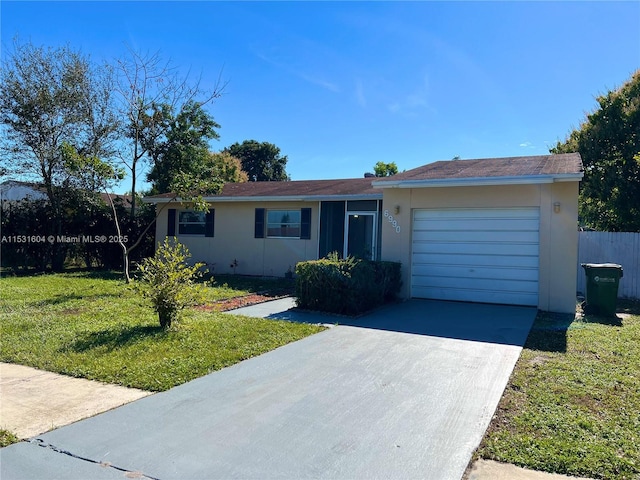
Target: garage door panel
(486, 273)
(482, 255)
(524, 261)
(482, 296)
(470, 213)
(471, 224)
(476, 248)
(476, 236)
(463, 283)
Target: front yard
(92, 325)
(572, 405)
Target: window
(194, 223)
(283, 223)
(191, 223)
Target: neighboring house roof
(351, 188)
(15, 190)
(124, 199)
(489, 171)
(486, 171)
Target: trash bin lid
(601, 265)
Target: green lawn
(572, 405)
(92, 325)
(7, 438)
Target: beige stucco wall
(234, 239)
(558, 231)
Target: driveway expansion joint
(128, 473)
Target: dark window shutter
(305, 223)
(209, 223)
(259, 225)
(171, 222)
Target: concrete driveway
(405, 392)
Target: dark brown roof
(350, 186)
(562, 164)
(508, 167)
(297, 188)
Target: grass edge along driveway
(572, 405)
(92, 325)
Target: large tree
(185, 148)
(151, 91)
(50, 97)
(261, 161)
(609, 142)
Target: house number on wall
(392, 221)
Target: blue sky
(339, 86)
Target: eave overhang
(284, 198)
(478, 181)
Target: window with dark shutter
(171, 222)
(209, 223)
(305, 224)
(259, 223)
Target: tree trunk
(166, 317)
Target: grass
(7, 438)
(572, 405)
(91, 325)
(228, 286)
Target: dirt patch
(538, 360)
(237, 302)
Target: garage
(488, 255)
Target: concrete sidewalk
(34, 401)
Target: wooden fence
(612, 247)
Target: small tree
(169, 282)
(382, 169)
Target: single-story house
(495, 230)
(15, 191)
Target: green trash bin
(602, 286)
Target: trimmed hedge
(348, 286)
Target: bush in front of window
(169, 282)
(348, 286)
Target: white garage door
(476, 255)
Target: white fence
(612, 247)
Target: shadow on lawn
(64, 298)
(271, 285)
(549, 331)
(114, 338)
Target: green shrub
(169, 282)
(348, 286)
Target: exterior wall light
(396, 210)
(556, 207)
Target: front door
(360, 235)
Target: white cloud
(313, 79)
(527, 145)
(417, 99)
